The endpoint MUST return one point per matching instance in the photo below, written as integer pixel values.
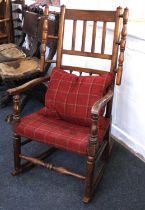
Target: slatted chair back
(92, 26)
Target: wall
(128, 123)
(129, 101)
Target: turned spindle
(44, 38)
(122, 47)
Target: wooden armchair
(77, 112)
(32, 29)
(19, 64)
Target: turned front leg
(17, 152)
(16, 137)
(92, 148)
(89, 179)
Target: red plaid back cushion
(71, 97)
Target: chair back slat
(90, 15)
(83, 36)
(103, 38)
(87, 54)
(74, 34)
(52, 37)
(94, 37)
(86, 70)
(50, 61)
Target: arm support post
(93, 143)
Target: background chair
(31, 27)
(13, 73)
(11, 51)
(77, 112)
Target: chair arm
(101, 103)
(93, 145)
(27, 86)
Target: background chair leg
(107, 152)
(4, 100)
(89, 179)
(17, 152)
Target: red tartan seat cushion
(70, 97)
(59, 133)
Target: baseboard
(128, 142)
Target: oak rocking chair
(77, 112)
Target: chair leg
(89, 179)
(17, 152)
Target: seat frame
(94, 150)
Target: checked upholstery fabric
(65, 119)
